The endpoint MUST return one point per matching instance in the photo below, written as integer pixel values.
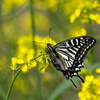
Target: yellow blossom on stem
(20, 61)
(24, 68)
(25, 53)
(44, 63)
(32, 64)
(14, 63)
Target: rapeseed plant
(85, 12)
(91, 87)
(25, 54)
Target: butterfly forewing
(74, 49)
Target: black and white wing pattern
(67, 56)
(74, 49)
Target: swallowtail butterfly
(67, 56)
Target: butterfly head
(50, 47)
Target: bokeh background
(22, 21)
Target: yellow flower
(14, 63)
(98, 18)
(77, 12)
(20, 61)
(92, 16)
(30, 54)
(25, 68)
(78, 32)
(83, 31)
(32, 64)
(22, 51)
(25, 41)
(44, 63)
(75, 15)
(72, 18)
(98, 70)
(44, 40)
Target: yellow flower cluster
(44, 63)
(86, 11)
(42, 46)
(91, 88)
(25, 53)
(78, 31)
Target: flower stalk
(10, 87)
(16, 75)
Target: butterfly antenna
(80, 78)
(73, 82)
(49, 34)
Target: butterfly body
(67, 56)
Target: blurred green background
(67, 19)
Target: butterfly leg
(80, 78)
(73, 82)
(77, 75)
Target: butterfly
(67, 56)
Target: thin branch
(10, 87)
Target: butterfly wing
(72, 51)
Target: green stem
(31, 5)
(32, 14)
(38, 56)
(18, 72)
(10, 87)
